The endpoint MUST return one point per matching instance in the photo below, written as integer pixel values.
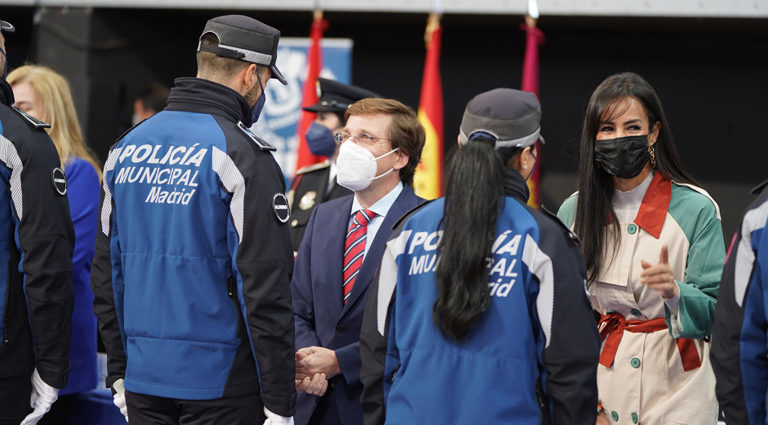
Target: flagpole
(428, 178)
(530, 82)
(304, 156)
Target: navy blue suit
(321, 317)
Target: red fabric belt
(612, 327)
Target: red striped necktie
(354, 248)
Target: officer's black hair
(473, 201)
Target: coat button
(635, 362)
(634, 417)
(294, 222)
(614, 416)
(632, 228)
(340, 328)
(635, 312)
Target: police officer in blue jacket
(738, 333)
(490, 322)
(35, 263)
(193, 259)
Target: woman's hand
(660, 277)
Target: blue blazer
(321, 317)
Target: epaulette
(759, 187)
(568, 232)
(313, 167)
(261, 143)
(32, 120)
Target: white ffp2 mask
(357, 166)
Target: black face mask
(623, 157)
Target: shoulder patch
(280, 207)
(32, 120)
(567, 231)
(759, 187)
(263, 145)
(59, 181)
(313, 167)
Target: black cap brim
(278, 75)
(322, 108)
(6, 26)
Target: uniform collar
(655, 205)
(515, 185)
(205, 96)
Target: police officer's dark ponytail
(473, 201)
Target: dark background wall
(710, 74)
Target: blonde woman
(44, 94)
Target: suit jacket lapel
(404, 202)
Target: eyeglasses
(363, 139)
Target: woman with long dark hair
(491, 323)
(654, 248)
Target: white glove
(275, 419)
(41, 400)
(119, 398)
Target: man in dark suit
(316, 183)
(380, 148)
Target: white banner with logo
(282, 110)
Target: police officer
(744, 267)
(316, 183)
(479, 287)
(36, 293)
(193, 258)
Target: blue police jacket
(193, 258)
(747, 286)
(35, 250)
(532, 356)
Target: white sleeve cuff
(673, 304)
(275, 419)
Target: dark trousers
(60, 412)
(326, 412)
(151, 410)
(14, 399)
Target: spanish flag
(314, 64)
(533, 39)
(428, 181)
